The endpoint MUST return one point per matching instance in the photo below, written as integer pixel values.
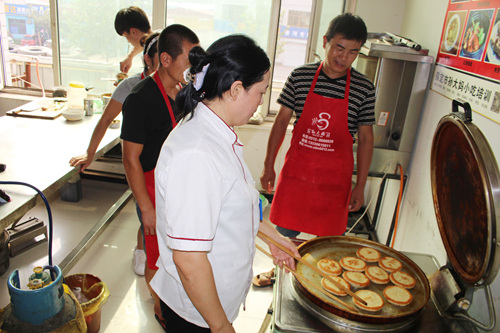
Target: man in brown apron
(332, 102)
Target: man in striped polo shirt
(332, 102)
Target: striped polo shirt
(361, 94)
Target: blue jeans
(287, 232)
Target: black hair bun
(198, 59)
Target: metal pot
(337, 247)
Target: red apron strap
(156, 77)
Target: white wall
(390, 19)
(254, 140)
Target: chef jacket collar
(219, 124)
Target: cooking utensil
(306, 280)
(337, 247)
(465, 174)
(311, 266)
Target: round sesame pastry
(377, 275)
(353, 264)
(331, 287)
(402, 279)
(356, 279)
(397, 295)
(373, 301)
(368, 254)
(390, 264)
(329, 266)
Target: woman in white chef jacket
(206, 204)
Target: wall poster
(468, 59)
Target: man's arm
(112, 110)
(136, 181)
(275, 140)
(126, 63)
(364, 160)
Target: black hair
(131, 17)
(150, 46)
(231, 58)
(350, 26)
(172, 37)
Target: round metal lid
(465, 188)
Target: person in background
(148, 118)
(132, 23)
(207, 204)
(332, 102)
(112, 110)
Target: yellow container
(91, 293)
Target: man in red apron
(332, 102)
(148, 118)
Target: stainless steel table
(37, 152)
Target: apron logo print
(322, 121)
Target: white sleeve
(194, 190)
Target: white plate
(447, 46)
(72, 115)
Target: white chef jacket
(205, 201)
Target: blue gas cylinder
(41, 303)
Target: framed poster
(468, 60)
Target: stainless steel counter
(37, 151)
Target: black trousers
(177, 324)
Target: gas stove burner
(295, 314)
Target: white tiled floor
(129, 307)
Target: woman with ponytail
(206, 203)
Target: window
(291, 46)
(212, 19)
(298, 19)
(17, 27)
(90, 50)
(27, 28)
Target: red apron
(151, 242)
(314, 187)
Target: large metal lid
(465, 189)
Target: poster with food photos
(468, 59)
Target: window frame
(159, 19)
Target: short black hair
(131, 17)
(172, 37)
(349, 26)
